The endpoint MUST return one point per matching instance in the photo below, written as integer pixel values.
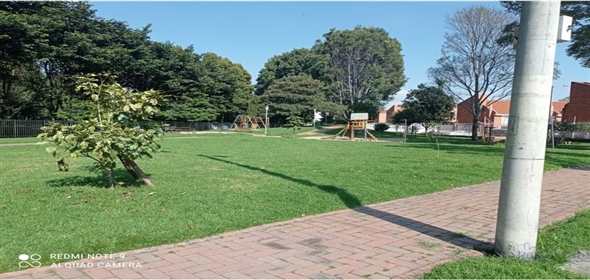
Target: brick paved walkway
(397, 239)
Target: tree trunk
(475, 129)
(109, 171)
(62, 165)
(134, 170)
(128, 167)
(475, 125)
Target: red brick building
(384, 116)
(557, 109)
(578, 108)
(493, 111)
(496, 112)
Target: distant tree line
(45, 45)
(347, 71)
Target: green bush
(381, 127)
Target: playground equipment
(247, 123)
(358, 122)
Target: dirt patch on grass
(187, 137)
(322, 130)
(263, 135)
(355, 139)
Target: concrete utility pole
(524, 157)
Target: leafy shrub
(295, 122)
(381, 127)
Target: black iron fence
(23, 128)
(31, 128)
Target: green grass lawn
(213, 183)
(556, 243)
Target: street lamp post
(266, 120)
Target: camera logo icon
(27, 261)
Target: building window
(504, 120)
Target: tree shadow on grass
(560, 158)
(566, 151)
(582, 168)
(575, 146)
(571, 162)
(99, 180)
(455, 140)
(472, 149)
(355, 204)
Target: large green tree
(293, 63)
(44, 45)
(296, 95)
(366, 66)
(71, 48)
(406, 116)
(21, 41)
(227, 86)
(63, 39)
(426, 105)
(175, 72)
(579, 48)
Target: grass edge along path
(556, 243)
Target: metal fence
(23, 128)
(464, 129)
(197, 126)
(455, 129)
(31, 128)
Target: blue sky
(250, 33)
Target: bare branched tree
(473, 65)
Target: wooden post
(351, 127)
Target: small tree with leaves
(296, 122)
(119, 128)
(427, 105)
(434, 134)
